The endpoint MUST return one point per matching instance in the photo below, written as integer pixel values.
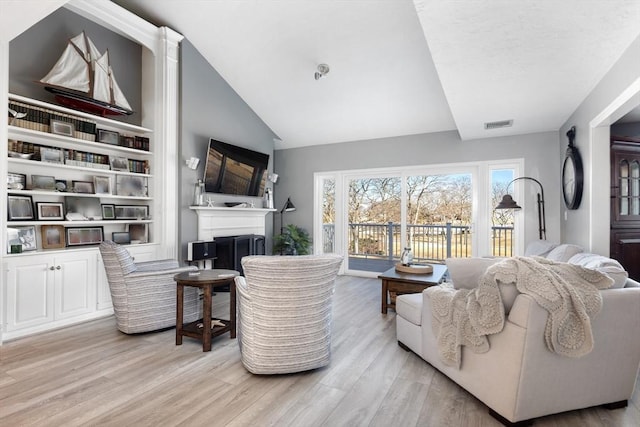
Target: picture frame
(43, 182)
(52, 236)
(19, 208)
(16, 181)
(51, 155)
(131, 186)
(82, 208)
(25, 237)
(139, 233)
(50, 211)
(131, 212)
(62, 185)
(59, 127)
(84, 187)
(119, 163)
(102, 184)
(121, 237)
(82, 236)
(108, 136)
(108, 211)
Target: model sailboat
(83, 79)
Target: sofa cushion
(604, 265)
(562, 253)
(409, 307)
(539, 248)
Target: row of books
(39, 118)
(138, 166)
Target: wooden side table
(206, 280)
(397, 283)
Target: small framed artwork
(119, 163)
(133, 186)
(121, 238)
(61, 128)
(51, 155)
(21, 239)
(139, 233)
(62, 185)
(132, 212)
(52, 236)
(16, 181)
(82, 187)
(108, 136)
(108, 212)
(102, 184)
(50, 211)
(79, 236)
(20, 208)
(42, 182)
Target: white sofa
(519, 379)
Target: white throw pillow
(465, 273)
(604, 265)
(539, 248)
(564, 252)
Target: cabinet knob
(58, 268)
(51, 268)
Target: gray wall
(210, 108)
(33, 53)
(296, 166)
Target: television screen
(235, 170)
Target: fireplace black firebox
(231, 249)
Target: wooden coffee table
(202, 329)
(395, 283)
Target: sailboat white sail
(88, 74)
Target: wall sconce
(192, 163)
(507, 202)
(272, 177)
(323, 70)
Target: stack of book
(39, 118)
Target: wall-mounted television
(235, 170)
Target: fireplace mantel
(220, 221)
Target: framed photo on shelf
(108, 136)
(19, 208)
(82, 208)
(108, 211)
(102, 184)
(51, 155)
(132, 212)
(121, 237)
(62, 185)
(52, 236)
(119, 163)
(16, 181)
(49, 211)
(80, 236)
(23, 238)
(139, 233)
(62, 128)
(129, 185)
(42, 182)
(85, 187)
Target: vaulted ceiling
(401, 67)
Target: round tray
(414, 268)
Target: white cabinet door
(30, 294)
(75, 284)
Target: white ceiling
(401, 67)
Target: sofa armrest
(159, 264)
(630, 283)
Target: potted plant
(293, 241)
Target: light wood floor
(91, 374)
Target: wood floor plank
(93, 375)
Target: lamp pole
(508, 203)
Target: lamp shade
(288, 207)
(507, 202)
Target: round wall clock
(572, 174)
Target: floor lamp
(507, 202)
(288, 207)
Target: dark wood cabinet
(625, 203)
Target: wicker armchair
(144, 293)
(284, 312)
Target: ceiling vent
(499, 124)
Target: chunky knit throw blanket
(568, 292)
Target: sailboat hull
(79, 101)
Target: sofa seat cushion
(409, 307)
(604, 265)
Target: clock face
(572, 179)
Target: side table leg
(179, 313)
(385, 287)
(206, 319)
(232, 309)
